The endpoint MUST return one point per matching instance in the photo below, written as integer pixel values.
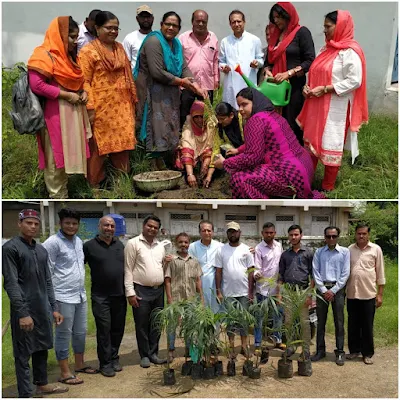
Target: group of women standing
(93, 102)
(334, 101)
(89, 106)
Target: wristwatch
(325, 89)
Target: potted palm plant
(293, 299)
(237, 317)
(166, 320)
(261, 310)
(199, 328)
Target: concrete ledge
(393, 88)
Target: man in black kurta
(105, 256)
(27, 282)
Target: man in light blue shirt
(67, 269)
(331, 269)
(204, 250)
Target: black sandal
(66, 381)
(85, 370)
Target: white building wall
(376, 27)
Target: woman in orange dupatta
(290, 54)
(336, 97)
(55, 76)
(112, 99)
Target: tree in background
(382, 216)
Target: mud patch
(219, 189)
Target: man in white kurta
(241, 48)
(204, 250)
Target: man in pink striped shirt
(200, 48)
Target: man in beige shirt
(366, 272)
(144, 287)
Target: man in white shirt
(133, 40)
(241, 48)
(264, 280)
(232, 262)
(87, 31)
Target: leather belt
(149, 287)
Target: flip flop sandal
(85, 370)
(67, 381)
(55, 390)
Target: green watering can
(278, 93)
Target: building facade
(185, 216)
(376, 29)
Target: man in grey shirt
(67, 269)
(295, 268)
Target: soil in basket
(159, 175)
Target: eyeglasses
(331, 236)
(170, 25)
(111, 28)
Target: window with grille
(320, 218)
(89, 214)
(128, 215)
(243, 218)
(186, 217)
(284, 218)
(143, 215)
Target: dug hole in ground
(354, 379)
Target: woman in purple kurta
(271, 163)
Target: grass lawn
(386, 324)
(386, 317)
(8, 372)
(373, 176)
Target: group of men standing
(49, 279)
(337, 272)
(203, 55)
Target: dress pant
(109, 313)
(96, 171)
(187, 99)
(39, 367)
(293, 109)
(361, 314)
(147, 335)
(338, 317)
